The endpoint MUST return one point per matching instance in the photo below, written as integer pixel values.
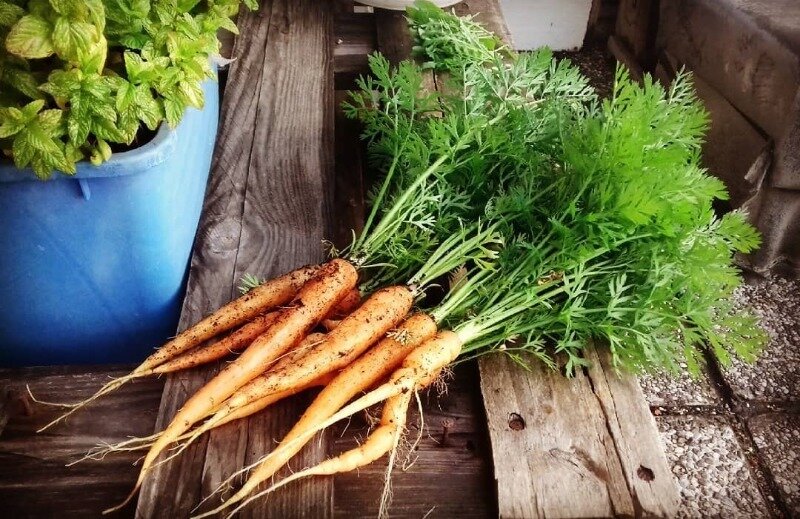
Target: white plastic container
(400, 5)
(558, 24)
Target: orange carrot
(242, 337)
(380, 441)
(234, 342)
(419, 369)
(314, 301)
(134, 444)
(372, 367)
(268, 295)
(378, 314)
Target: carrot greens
(604, 207)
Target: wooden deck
(285, 158)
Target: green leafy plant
(606, 213)
(79, 75)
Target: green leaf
(9, 127)
(72, 40)
(134, 41)
(78, 129)
(173, 110)
(126, 96)
(30, 38)
(23, 152)
(185, 6)
(63, 84)
(50, 121)
(191, 93)
(100, 153)
(9, 14)
(150, 110)
(30, 110)
(107, 130)
(23, 81)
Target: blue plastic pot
(93, 267)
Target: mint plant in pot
(108, 117)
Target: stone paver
(778, 440)
(674, 390)
(710, 468)
(775, 377)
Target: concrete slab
(732, 143)
(775, 377)
(778, 440)
(710, 468)
(734, 43)
(678, 390)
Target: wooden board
(635, 30)
(583, 447)
(34, 478)
(267, 210)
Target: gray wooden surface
(267, 211)
(583, 447)
(34, 479)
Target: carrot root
(314, 301)
(108, 387)
(419, 369)
(369, 369)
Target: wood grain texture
(5, 407)
(34, 478)
(488, 13)
(267, 211)
(349, 185)
(637, 441)
(581, 447)
(623, 55)
(549, 444)
(395, 43)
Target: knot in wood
(516, 422)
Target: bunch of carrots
(544, 217)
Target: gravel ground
(775, 377)
(710, 468)
(778, 440)
(671, 390)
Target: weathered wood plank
(349, 188)
(637, 441)
(211, 277)
(34, 478)
(488, 13)
(622, 54)
(288, 206)
(5, 407)
(581, 447)
(550, 444)
(267, 211)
